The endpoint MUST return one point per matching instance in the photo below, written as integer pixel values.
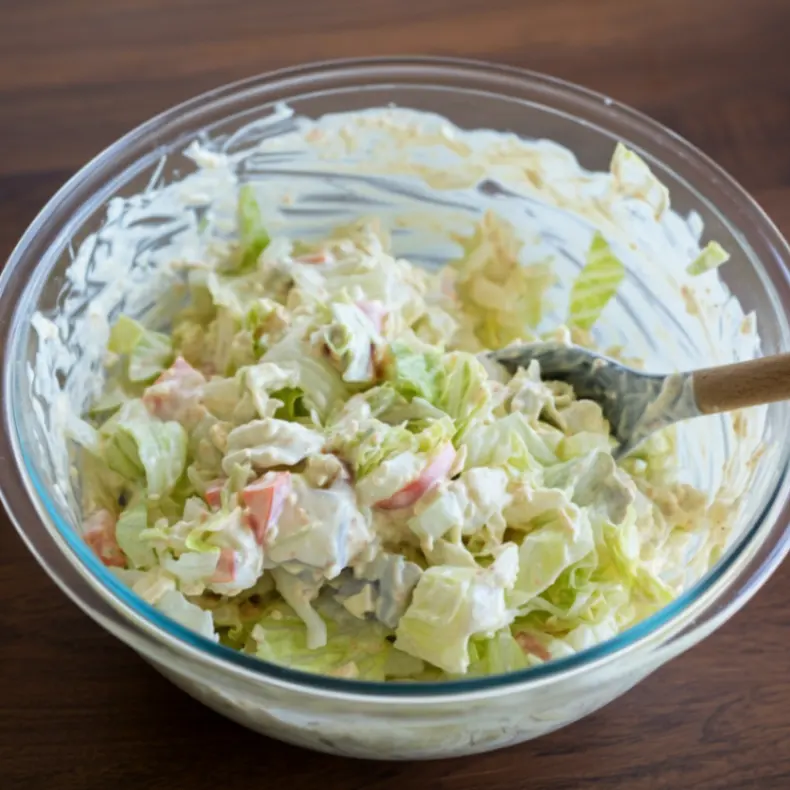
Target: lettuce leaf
(252, 233)
(138, 446)
(595, 285)
(414, 373)
(509, 442)
(547, 551)
(464, 393)
(634, 179)
(148, 353)
(132, 521)
(452, 604)
(178, 608)
(354, 648)
(711, 257)
(351, 341)
(502, 297)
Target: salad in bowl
(258, 437)
(316, 463)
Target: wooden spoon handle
(743, 384)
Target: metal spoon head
(626, 396)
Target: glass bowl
(46, 274)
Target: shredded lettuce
(503, 299)
(328, 474)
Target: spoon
(637, 404)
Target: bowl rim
(90, 179)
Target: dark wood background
(80, 711)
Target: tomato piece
(529, 644)
(100, 536)
(265, 499)
(226, 567)
(435, 470)
(213, 495)
(175, 392)
(375, 311)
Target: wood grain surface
(79, 711)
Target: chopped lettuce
(148, 353)
(252, 234)
(133, 521)
(596, 284)
(325, 475)
(712, 256)
(450, 605)
(178, 608)
(414, 373)
(565, 537)
(502, 298)
(140, 448)
(354, 648)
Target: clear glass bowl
(344, 716)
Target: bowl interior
(103, 246)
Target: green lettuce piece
(354, 648)
(375, 442)
(497, 655)
(322, 387)
(594, 598)
(132, 521)
(375, 445)
(711, 257)
(171, 505)
(101, 487)
(252, 233)
(204, 525)
(622, 546)
(596, 284)
(350, 340)
(113, 397)
(464, 394)
(266, 320)
(414, 373)
(263, 380)
(507, 442)
(148, 353)
(228, 346)
(579, 597)
(581, 444)
(189, 340)
(391, 407)
(138, 446)
(293, 408)
(548, 550)
(450, 605)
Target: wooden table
(80, 711)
